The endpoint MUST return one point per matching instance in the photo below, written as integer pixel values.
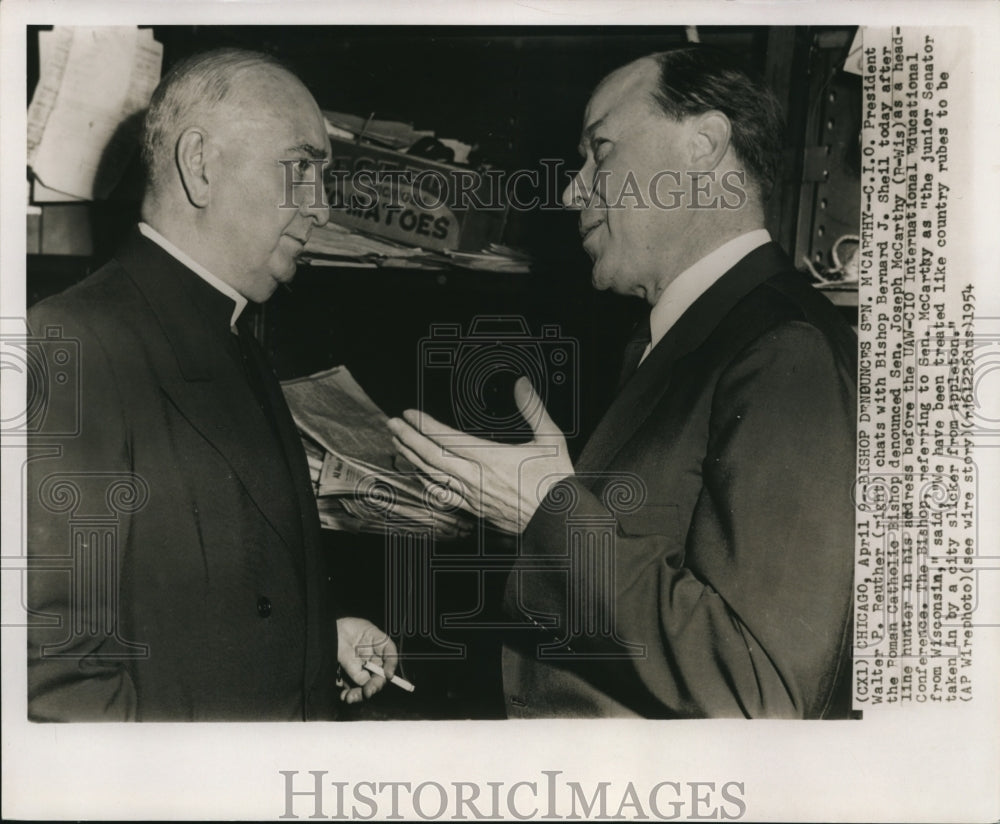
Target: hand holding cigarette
(361, 643)
(402, 683)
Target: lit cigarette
(402, 683)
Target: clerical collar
(198, 269)
(694, 281)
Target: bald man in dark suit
(176, 569)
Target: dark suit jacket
(728, 591)
(174, 542)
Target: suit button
(263, 606)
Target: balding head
(224, 135)
(192, 93)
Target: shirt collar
(694, 281)
(198, 269)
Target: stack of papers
(336, 245)
(360, 483)
(389, 133)
(339, 245)
(392, 134)
(334, 240)
(494, 258)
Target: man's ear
(710, 136)
(192, 151)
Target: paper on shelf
(83, 118)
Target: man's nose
(573, 195)
(315, 205)
(321, 215)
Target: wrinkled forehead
(629, 87)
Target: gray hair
(193, 86)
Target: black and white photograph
(534, 413)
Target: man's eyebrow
(593, 127)
(588, 134)
(309, 149)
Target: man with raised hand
(726, 587)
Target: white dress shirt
(694, 281)
(197, 268)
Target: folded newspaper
(361, 485)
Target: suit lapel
(207, 387)
(640, 395)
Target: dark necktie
(637, 343)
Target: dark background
(518, 95)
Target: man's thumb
(532, 409)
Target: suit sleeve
(78, 457)
(751, 615)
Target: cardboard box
(412, 200)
